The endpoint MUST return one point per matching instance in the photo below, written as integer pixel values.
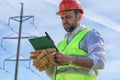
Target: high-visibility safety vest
(71, 72)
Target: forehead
(67, 13)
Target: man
(81, 53)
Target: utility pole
(19, 19)
(18, 47)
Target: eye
(67, 17)
(62, 18)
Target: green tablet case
(43, 42)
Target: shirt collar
(78, 29)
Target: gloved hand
(43, 59)
(35, 54)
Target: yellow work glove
(43, 59)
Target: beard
(70, 27)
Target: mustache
(66, 23)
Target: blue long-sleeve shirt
(92, 43)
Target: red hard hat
(69, 5)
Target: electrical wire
(41, 78)
(36, 74)
(5, 48)
(18, 12)
(8, 72)
(2, 46)
(28, 68)
(10, 6)
(5, 24)
(36, 28)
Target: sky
(102, 15)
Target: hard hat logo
(69, 5)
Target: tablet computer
(43, 42)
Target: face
(69, 21)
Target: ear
(79, 16)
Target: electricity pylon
(19, 19)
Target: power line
(8, 72)
(5, 48)
(36, 74)
(18, 12)
(41, 78)
(5, 24)
(10, 6)
(17, 33)
(36, 28)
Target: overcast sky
(103, 15)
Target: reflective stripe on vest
(73, 49)
(78, 70)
